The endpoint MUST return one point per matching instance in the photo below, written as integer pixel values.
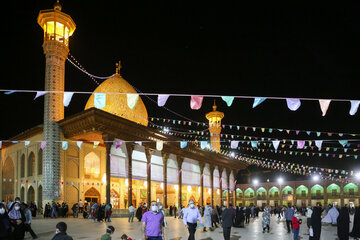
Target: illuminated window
(92, 165)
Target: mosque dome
(117, 103)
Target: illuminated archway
(8, 180)
(92, 165)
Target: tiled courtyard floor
(86, 229)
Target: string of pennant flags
(195, 100)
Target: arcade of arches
(300, 193)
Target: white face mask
(160, 207)
(2, 210)
(192, 205)
(17, 208)
(154, 208)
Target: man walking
(152, 223)
(190, 218)
(289, 213)
(131, 213)
(227, 218)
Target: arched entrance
(114, 199)
(31, 195)
(92, 195)
(40, 191)
(8, 180)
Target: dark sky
(223, 48)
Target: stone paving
(80, 228)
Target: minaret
(214, 118)
(58, 27)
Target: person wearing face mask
(190, 218)
(296, 221)
(17, 219)
(5, 227)
(308, 216)
(60, 232)
(152, 223)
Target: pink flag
(300, 144)
(118, 143)
(324, 105)
(162, 98)
(195, 102)
(43, 144)
(297, 132)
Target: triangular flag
(293, 103)
(96, 143)
(354, 107)
(234, 144)
(40, 93)
(0, 144)
(203, 144)
(64, 145)
(318, 134)
(27, 144)
(118, 143)
(343, 142)
(297, 132)
(324, 105)
(258, 101)
(254, 144)
(159, 145)
(196, 102)
(99, 100)
(67, 98)
(132, 99)
(300, 144)
(162, 98)
(43, 144)
(79, 143)
(276, 144)
(318, 143)
(228, 100)
(183, 144)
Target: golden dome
(117, 103)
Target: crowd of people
(16, 218)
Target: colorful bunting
(196, 102)
(324, 105)
(258, 101)
(162, 98)
(300, 144)
(67, 98)
(40, 93)
(234, 144)
(26, 143)
(99, 100)
(132, 99)
(43, 144)
(79, 143)
(183, 144)
(159, 145)
(354, 107)
(228, 100)
(118, 143)
(293, 103)
(64, 145)
(96, 143)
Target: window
(351, 191)
(318, 193)
(22, 166)
(334, 192)
(303, 193)
(276, 194)
(40, 161)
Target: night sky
(222, 48)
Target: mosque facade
(110, 154)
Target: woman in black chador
(316, 223)
(343, 224)
(239, 217)
(355, 233)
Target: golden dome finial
(57, 5)
(214, 106)
(118, 67)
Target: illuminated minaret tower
(58, 27)
(214, 118)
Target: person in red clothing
(296, 221)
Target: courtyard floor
(80, 228)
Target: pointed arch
(31, 164)
(8, 173)
(22, 165)
(40, 162)
(31, 194)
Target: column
(148, 153)
(281, 196)
(130, 149)
(267, 195)
(309, 194)
(108, 141)
(220, 173)
(212, 168)
(165, 157)
(228, 187)
(202, 165)
(294, 195)
(179, 162)
(325, 195)
(342, 194)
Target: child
(125, 237)
(296, 221)
(109, 230)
